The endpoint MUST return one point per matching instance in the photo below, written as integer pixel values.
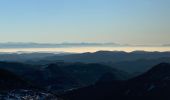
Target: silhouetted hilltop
(152, 85)
(158, 72)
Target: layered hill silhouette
(152, 85)
(102, 75)
(109, 56)
(61, 76)
(135, 63)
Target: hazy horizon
(14, 47)
(83, 49)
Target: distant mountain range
(57, 45)
(109, 56)
(53, 45)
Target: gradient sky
(56, 21)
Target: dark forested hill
(152, 85)
(62, 76)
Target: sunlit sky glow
(83, 49)
(56, 21)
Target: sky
(57, 21)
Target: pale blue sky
(56, 21)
